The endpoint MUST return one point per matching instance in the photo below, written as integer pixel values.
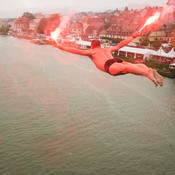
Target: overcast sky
(15, 8)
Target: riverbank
(163, 69)
(31, 38)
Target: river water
(60, 115)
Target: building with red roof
(76, 29)
(20, 26)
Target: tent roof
(136, 50)
(172, 52)
(160, 52)
(73, 39)
(81, 42)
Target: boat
(38, 41)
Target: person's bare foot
(152, 77)
(158, 77)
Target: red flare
(55, 34)
(151, 20)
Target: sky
(15, 8)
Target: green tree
(114, 40)
(4, 29)
(126, 9)
(42, 24)
(28, 15)
(144, 41)
(165, 28)
(156, 44)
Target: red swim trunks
(110, 62)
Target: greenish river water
(59, 115)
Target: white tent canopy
(172, 53)
(161, 53)
(81, 42)
(135, 50)
(166, 45)
(73, 40)
(144, 52)
(148, 52)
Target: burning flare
(61, 28)
(55, 34)
(151, 20)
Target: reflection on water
(60, 115)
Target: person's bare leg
(152, 77)
(125, 67)
(158, 77)
(142, 66)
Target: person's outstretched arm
(75, 50)
(124, 42)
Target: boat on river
(38, 41)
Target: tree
(165, 28)
(42, 24)
(156, 44)
(126, 9)
(28, 15)
(144, 41)
(114, 40)
(4, 29)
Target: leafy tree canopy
(144, 41)
(156, 44)
(126, 9)
(28, 15)
(4, 29)
(42, 24)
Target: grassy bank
(163, 69)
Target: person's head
(95, 43)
